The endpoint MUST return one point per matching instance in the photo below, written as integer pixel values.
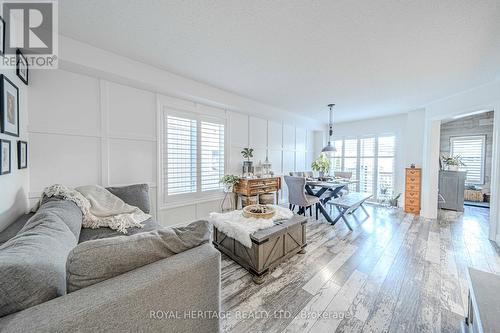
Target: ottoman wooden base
(270, 247)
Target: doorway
(466, 149)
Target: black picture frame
(20, 154)
(2, 36)
(2, 156)
(3, 113)
(21, 60)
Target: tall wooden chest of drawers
(412, 190)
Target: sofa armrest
(164, 296)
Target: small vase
(247, 167)
(452, 167)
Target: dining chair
(343, 174)
(296, 173)
(297, 195)
(308, 174)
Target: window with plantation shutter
(385, 164)
(337, 156)
(212, 155)
(181, 151)
(472, 151)
(367, 165)
(193, 154)
(371, 160)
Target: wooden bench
(349, 203)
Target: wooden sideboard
(258, 186)
(412, 190)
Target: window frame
(482, 137)
(199, 195)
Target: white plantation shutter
(180, 168)
(212, 155)
(367, 165)
(371, 160)
(193, 153)
(351, 160)
(336, 160)
(385, 164)
(472, 151)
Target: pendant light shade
(329, 148)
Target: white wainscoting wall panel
(275, 135)
(63, 159)
(132, 161)
(258, 133)
(132, 112)
(64, 102)
(238, 127)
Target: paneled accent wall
(87, 130)
(84, 130)
(288, 148)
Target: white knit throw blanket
(236, 226)
(100, 208)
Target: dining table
(328, 190)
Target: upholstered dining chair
(343, 174)
(296, 173)
(297, 195)
(308, 174)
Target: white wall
(14, 186)
(96, 121)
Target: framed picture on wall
(22, 66)
(4, 157)
(22, 154)
(9, 107)
(2, 36)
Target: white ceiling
(371, 58)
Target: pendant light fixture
(329, 148)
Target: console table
(258, 186)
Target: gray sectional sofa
(180, 293)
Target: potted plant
(247, 165)
(453, 163)
(322, 165)
(229, 181)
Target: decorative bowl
(258, 212)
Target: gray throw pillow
(33, 263)
(97, 260)
(134, 195)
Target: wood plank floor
(395, 272)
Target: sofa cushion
(33, 263)
(97, 260)
(91, 234)
(134, 195)
(14, 228)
